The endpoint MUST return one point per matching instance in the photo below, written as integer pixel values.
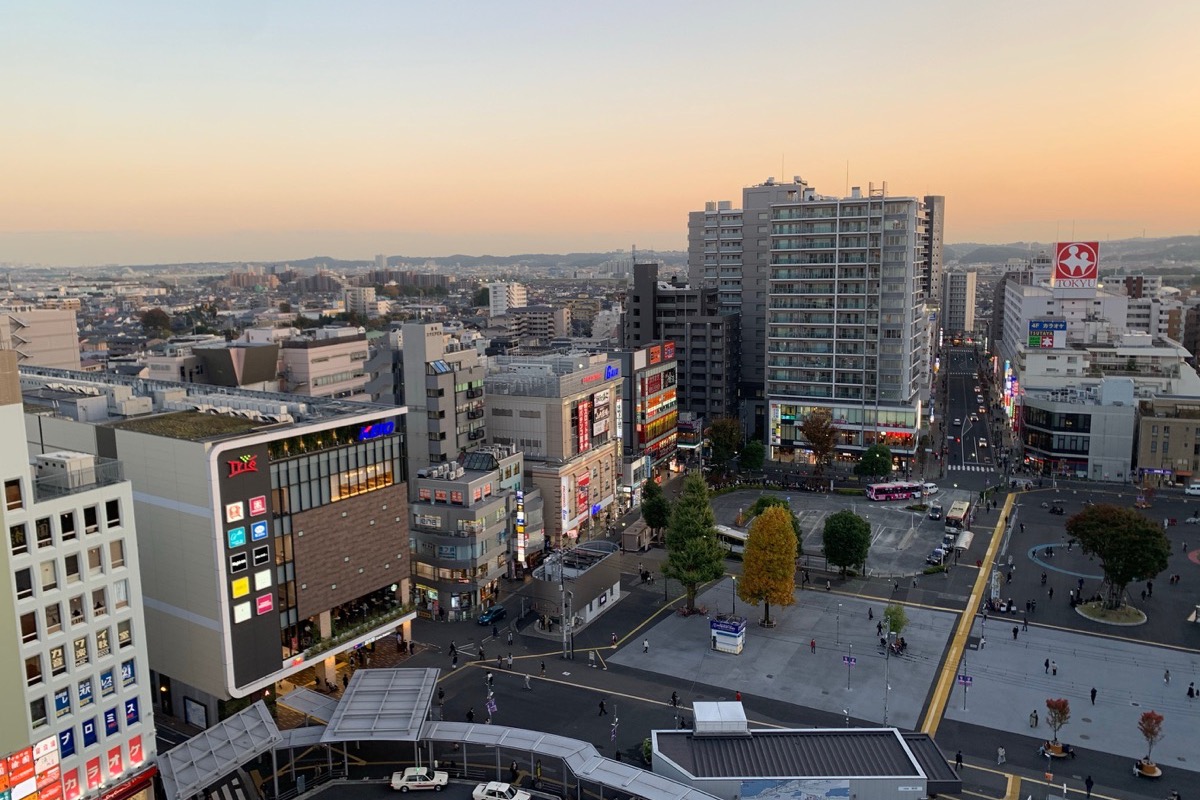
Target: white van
(1193, 489)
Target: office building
(503, 297)
(706, 338)
(42, 337)
(273, 528)
(76, 694)
(846, 326)
(563, 412)
(958, 303)
(329, 362)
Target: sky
(150, 132)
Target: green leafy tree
(285, 307)
(775, 501)
(894, 618)
(769, 565)
(1130, 547)
(1058, 714)
(876, 462)
(694, 555)
(821, 434)
(847, 538)
(725, 434)
(1150, 726)
(156, 323)
(753, 455)
(656, 509)
(482, 297)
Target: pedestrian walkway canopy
(215, 752)
(313, 705)
(382, 705)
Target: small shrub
(850, 492)
(934, 569)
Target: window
(53, 618)
(99, 602)
(58, 660)
(72, 565)
(49, 570)
(45, 533)
(29, 630)
(116, 553)
(17, 539)
(102, 646)
(37, 712)
(76, 606)
(121, 594)
(82, 652)
(95, 562)
(12, 494)
(33, 670)
(24, 584)
(66, 526)
(112, 513)
(91, 519)
(124, 633)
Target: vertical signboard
(244, 484)
(1076, 265)
(583, 425)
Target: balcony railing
(95, 473)
(345, 633)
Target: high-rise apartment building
(846, 326)
(503, 297)
(935, 213)
(76, 697)
(361, 300)
(958, 303)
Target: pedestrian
(1016, 630)
(1191, 692)
(499, 662)
(510, 638)
(1088, 784)
(812, 646)
(495, 630)
(489, 681)
(879, 628)
(603, 709)
(537, 773)
(828, 586)
(675, 699)
(441, 695)
(1167, 677)
(1051, 592)
(958, 761)
(1093, 695)
(454, 661)
(527, 686)
(914, 581)
(1046, 664)
(645, 645)
(345, 680)
(737, 696)
(1022, 527)
(592, 658)
(514, 772)
(614, 640)
(1150, 588)
(471, 715)
(870, 613)
(482, 655)
(543, 671)
(1033, 718)
(1143, 594)
(999, 756)
(1025, 622)
(1053, 667)
(453, 647)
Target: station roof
(313, 705)
(215, 752)
(383, 705)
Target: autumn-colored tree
(769, 564)
(1058, 713)
(1131, 547)
(821, 434)
(846, 540)
(694, 555)
(656, 509)
(725, 436)
(775, 501)
(1150, 726)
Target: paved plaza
(779, 662)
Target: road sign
(849, 661)
(965, 680)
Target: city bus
(958, 518)
(732, 540)
(895, 491)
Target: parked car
(492, 615)
(1193, 520)
(417, 778)
(1192, 489)
(495, 790)
(938, 556)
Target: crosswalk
(971, 468)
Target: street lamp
(734, 594)
(849, 663)
(887, 663)
(837, 636)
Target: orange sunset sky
(140, 132)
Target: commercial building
(958, 302)
(649, 415)
(273, 528)
(706, 338)
(1084, 432)
(43, 337)
(846, 326)
(503, 297)
(76, 694)
(563, 412)
(331, 362)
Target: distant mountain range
(1112, 253)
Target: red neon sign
(242, 465)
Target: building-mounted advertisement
(601, 413)
(1047, 333)
(583, 415)
(1076, 265)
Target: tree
(775, 501)
(1058, 713)
(285, 307)
(725, 434)
(656, 509)
(753, 455)
(894, 619)
(846, 539)
(156, 323)
(694, 555)
(482, 297)
(1130, 546)
(876, 462)
(1150, 725)
(769, 565)
(821, 434)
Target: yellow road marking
(1014, 788)
(945, 683)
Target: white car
(495, 790)
(1192, 520)
(930, 488)
(417, 778)
(982, 442)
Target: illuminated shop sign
(612, 371)
(376, 429)
(241, 465)
(655, 356)
(668, 351)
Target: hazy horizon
(141, 133)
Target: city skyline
(231, 132)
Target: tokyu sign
(1076, 265)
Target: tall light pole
(734, 594)
(849, 663)
(837, 636)
(887, 664)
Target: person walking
(870, 613)
(999, 756)
(1088, 784)
(489, 680)
(614, 640)
(441, 695)
(879, 628)
(1016, 630)
(1191, 692)
(527, 686)
(1046, 664)
(645, 645)
(510, 662)
(1167, 677)
(510, 638)
(1025, 622)
(958, 761)
(454, 661)
(543, 670)
(603, 709)
(1053, 667)
(471, 715)
(1093, 695)
(1033, 718)
(812, 646)
(675, 699)
(737, 696)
